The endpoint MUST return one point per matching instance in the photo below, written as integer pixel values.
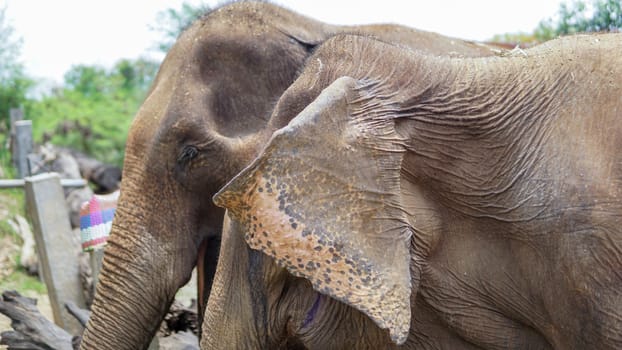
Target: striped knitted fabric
(96, 220)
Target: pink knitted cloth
(96, 220)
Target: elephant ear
(323, 199)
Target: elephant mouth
(312, 312)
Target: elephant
(204, 119)
(423, 202)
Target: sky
(60, 33)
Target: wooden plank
(56, 247)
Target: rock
(8, 250)
(28, 255)
(179, 341)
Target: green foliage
(580, 16)
(93, 111)
(515, 38)
(94, 108)
(577, 16)
(9, 47)
(23, 282)
(89, 81)
(14, 84)
(11, 204)
(172, 22)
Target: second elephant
(420, 202)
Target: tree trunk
(31, 329)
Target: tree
(14, 84)
(135, 76)
(91, 81)
(93, 111)
(172, 22)
(607, 16)
(579, 17)
(9, 46)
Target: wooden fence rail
(18, 183)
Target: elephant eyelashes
(187, 154)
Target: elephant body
(204, 119)
(427, 202)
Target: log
(31, 329)
(105, 177)
(81, 315)
(16, 340)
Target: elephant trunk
(137, 284)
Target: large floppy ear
(323, 199)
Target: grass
(13, 277)
(20, 281)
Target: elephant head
(429, 202)
(204, 119)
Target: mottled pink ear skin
(324, 200)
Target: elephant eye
(187, 153)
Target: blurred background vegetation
(91, 111)
(93, 108)
(572, 17)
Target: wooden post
(96, 257)
(22, 147)
(56, 248)
(15, 115)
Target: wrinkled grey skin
(433, 203)
(204, 119)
